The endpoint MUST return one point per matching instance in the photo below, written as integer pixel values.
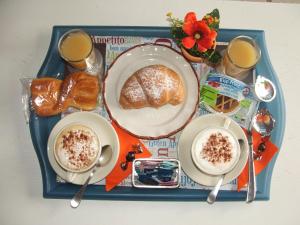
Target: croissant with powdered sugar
(152, 86)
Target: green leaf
(215, 58)
(215, 13)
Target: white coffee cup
(77, 148)
(220, 165)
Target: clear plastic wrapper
(224, 94)
(25, 97)
(50, 96)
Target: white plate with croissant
(151, 91)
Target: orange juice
(76, 47)
(241, 56)
(242, 53)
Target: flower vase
(188, 56)
(195, 59)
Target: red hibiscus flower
(198, 33)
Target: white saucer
(185, 145)
(105, 132)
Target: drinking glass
(77, 49)
(241, 55)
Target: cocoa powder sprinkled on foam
(78, 148)
(217, 149)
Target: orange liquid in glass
(242, 54)
(76, 48)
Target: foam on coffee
(216, 151)
(77, 148)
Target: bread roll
(51, 96)
(152, 86)
(79, 90)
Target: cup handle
(227, 122)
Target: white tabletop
(26, 28)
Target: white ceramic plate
(106, 134)
(150, 123)
(185, 145)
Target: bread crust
(79, 90)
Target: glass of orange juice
(76, 47)
(241, 55)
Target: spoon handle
(78, 196)
(213, 194)
(251, 191)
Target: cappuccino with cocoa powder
(77, 148)
(215, 151)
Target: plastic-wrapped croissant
(79, 90)
(152, 86)
(51, 96)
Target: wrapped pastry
(44, 95)
(51, 96)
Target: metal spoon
(251, 189)
(263, 123)
(214, 193)
(104, 158)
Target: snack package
(223, 94)
(50, 96)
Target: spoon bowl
(263, 122)
(106, 155)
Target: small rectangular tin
(156, 173)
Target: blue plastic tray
(40, 127)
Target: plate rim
(141, 136)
